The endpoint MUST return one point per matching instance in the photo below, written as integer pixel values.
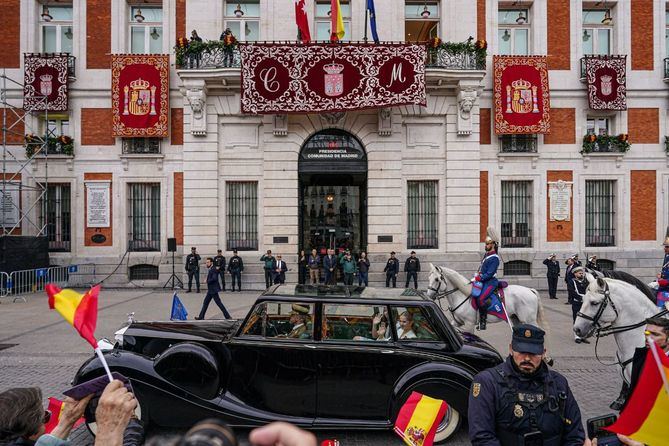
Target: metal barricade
(4, 279)
(27, 281)
(34, 280)
(58, 275)
(82, 275)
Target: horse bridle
(595, 319)
(446, 293)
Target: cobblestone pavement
(37, 348)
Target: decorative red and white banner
(522, 102)
(321, 77)
(45, 77)
(140, 95)
(607, 82)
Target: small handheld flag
(418, 419)
(56, 408)
(179, 312)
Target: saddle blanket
(495, 308)
(662, 298)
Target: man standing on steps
(552, 274)
(193, 269)
(392, 269)
(235, 268)
(412, 268)
(219, 263)
(268, 260)
(212, 291)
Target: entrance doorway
(333, 193)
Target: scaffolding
(18, 209)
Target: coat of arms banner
(322, 77)
(522, 102)
(607, 82)
(140, 95)
(45, 82)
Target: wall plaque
(9, 203)
(559, 197)
(98, 204)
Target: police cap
(528, 339)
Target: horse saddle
(662, 298)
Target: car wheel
(448, 425)
(89, 414)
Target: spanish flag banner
(337, 22)
(418, 419)
(645, 416)
(79, 310)
(56, 408)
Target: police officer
(193, 269)
(412, 268)
(591, 264)
(268, 263)
(219, 264)
(235, 268)
(577, 288)
(522, 401)
(392, 269)
(663, 277)
(552, 274)
(487, 275)
(572, 262)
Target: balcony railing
(60, 145)
(518, 144)
(212, 55)
(666, 69)
(605, 144)
(141, 146)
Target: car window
(412, 325)
(254, 324)
(355, 323)
(289, 320)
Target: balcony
(605, 144)
(71, 62)
(518, 144)
(36, 146)
(141, 146)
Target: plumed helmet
(492, 235)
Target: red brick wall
(98, 33)
(483, 187)
(563, 127)
(485, 125)
(10, 33)
(14, 178)
(181, 19)
(177, 126)
(642, 28)
(559, 45)
(15, 133)
(107, 232)
(179, 207)
(480, 19)
(643, 125)
(96, 127)
(643, 185)
(559, 231)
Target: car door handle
(387, 352)
(309, 346)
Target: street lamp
(426, 12)
(238, 12)
(45, 13)
(139, 18)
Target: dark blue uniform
(212, 293)
(664, 274)
(504, 405)
(552, 274)
(235, 268)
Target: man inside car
(298, 317)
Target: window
(57, 34)
(323, 19)
(143, 272)
(421, 20)
(56, 216)
(517, 214)
(356, 323)
(600, 213)
(243, 15)
(281, 320)
(146, 30)
(606, 265)
(513, 31)
(517, 268)
(56, 127)
(144, 217)
(141, 145)
(423, 224)
(412, 325)
(666, 33)
(518, 143)
(598, 126)
(242, 220)
(597, 31)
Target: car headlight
(119, 334)
(105, 344)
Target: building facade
(428, 179)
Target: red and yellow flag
(337, 22)
(56, 408)
(418, 419)
(645, 416)
(79, 310)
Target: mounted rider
(486, 276)
(663, 277)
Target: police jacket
(212, 280)
(269, 260)
(553, 268)
(568, 274)
(193, 263)
(592, 266)
(577, 290)
(219, 263)
(412, 265)
(665, 268)
(488, 270)
(392, 267)
(504, 405)
(235, 265)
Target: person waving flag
(337, 27)
(302, 21)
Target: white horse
(522, 304)
(618, 307)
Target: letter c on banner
(268, 77)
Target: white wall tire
(448, 426)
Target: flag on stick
(418, 419)
(302, 21)
(79, 310)
(372, 20)
(645, 416)
(56, 408)
(179, 312)
(337, 31)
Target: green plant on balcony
(185, 49)
(60, 145)
(477, 48)
(606, 143)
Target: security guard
(522, 401)
(235, 268)
(412, 268)
(219, 264)
(193, 268)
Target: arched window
(517, 268)
(143, 272)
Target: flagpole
(366, 14)
(104, 363)
(658, 363)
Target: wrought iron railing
(518, 144)
(600, 215)
(215, 57)
(141, 146)
(666, 68)
(144, 217)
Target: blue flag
(372, 20)
(179, 312)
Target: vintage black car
(321, 357)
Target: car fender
(442, 381)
